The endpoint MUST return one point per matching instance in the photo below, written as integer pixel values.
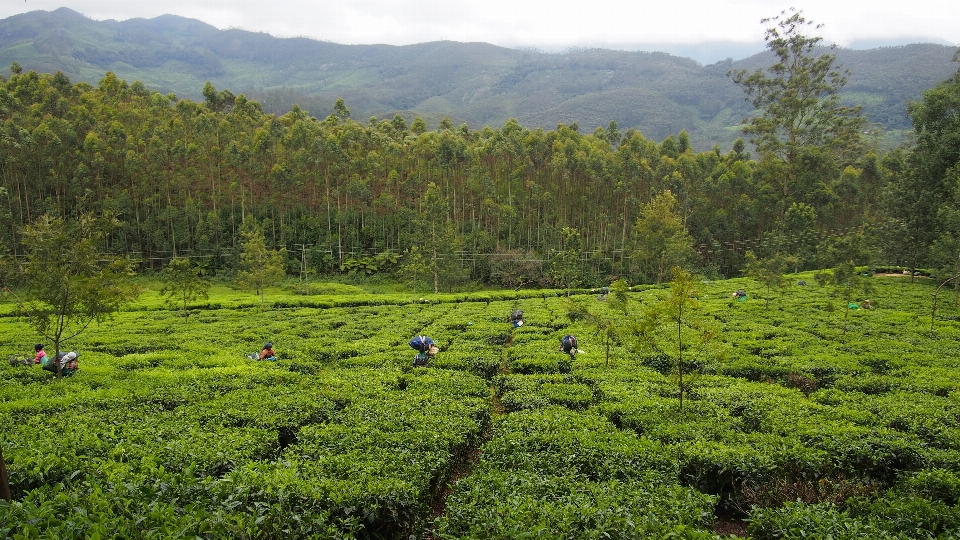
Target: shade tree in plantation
(68, 280)
(182, 284)
(768, 271)
(671, 328)
(849, 285)
(609, 320)
(804, 134)
(260, 267)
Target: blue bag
(421, 343)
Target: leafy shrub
(572, 396)
(935, 485)
(541, 364)
(752, 370)
(660, 362)
(516, 504)
(867, 383)
(562, 474)
(796, 520)
(877, 454)
(907, 515)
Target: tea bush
(170, 430)
(559, 473)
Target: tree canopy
(508, 206)
(801, 126)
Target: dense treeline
(510, 206)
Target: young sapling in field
(183, 284)
(259, 267)
(670, 327)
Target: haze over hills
(474, 83)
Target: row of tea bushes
(893, 515)
(553, 473)
(234, 452)
(381, 462)
(734, 435)
(170, 427)
(787, 415)
(520, 392)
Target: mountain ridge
(475, 83)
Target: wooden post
(4, 482)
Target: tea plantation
(791, 426)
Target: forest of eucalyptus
(510, 206)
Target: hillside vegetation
(476, 83)
(794, 424)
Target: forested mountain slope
(474, 83)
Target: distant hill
(475, 83)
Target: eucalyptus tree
(800, 121)
(437, 241)
(661, 241)
(634, 162)
(419, 126)
(565, 267)
(399, 124)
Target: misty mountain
(474, 83)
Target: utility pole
(303, 265)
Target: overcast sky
(694, 28)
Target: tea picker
(267, 353)
(604, 291)
(41, 357)
(568, 345)
(426, 348)
(67, 362)
(516, 317)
